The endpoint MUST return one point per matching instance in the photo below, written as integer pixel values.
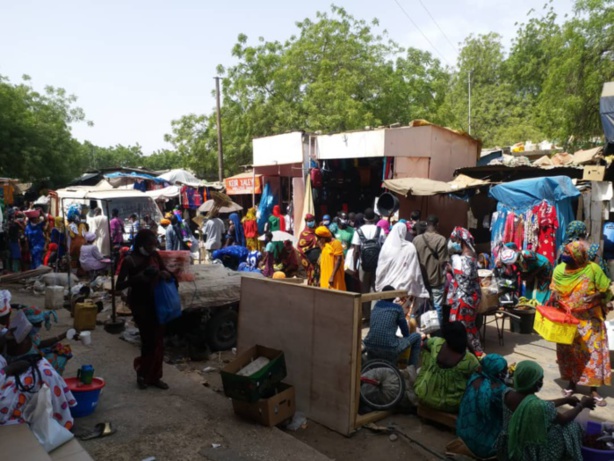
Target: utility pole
(469, 105)
(220, 154)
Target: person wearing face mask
(140, 272)
(533, 429)
(480, 416)
(308, 249)
(581, 288)
(326, 221)
(344, 232)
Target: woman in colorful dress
(307, 242)
(22, 376)
(36, 240)
(582, 288)
(480, 417)
(533, 429)
(467, 292)
(250, 229)
(535, 269)
(332, 274)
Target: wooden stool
(440, 417)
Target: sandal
(100, 430)
(600, 401)
(160, 385)
(567, 392)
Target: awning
(243, 184)
(425, 187)
(165, 193)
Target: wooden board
(319, 332)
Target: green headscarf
(529, 423)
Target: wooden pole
(220, 155)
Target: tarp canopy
(118, 179)
(164, 194)
(180, 176)
(527, 193)
(606, 109)
(426, 187)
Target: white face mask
(144, 252)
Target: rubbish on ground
(151, 458)
(209, 369)
(100, 430)
(393, 437)
(298, 421)
(253, 367)
(131, 335)
(206, 383)
(216, 445)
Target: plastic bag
(168, 303)
(429, 322)
(38, 412)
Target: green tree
(163, 159)
(110, 157)
(36, 143)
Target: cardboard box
(593, 173)
(272, 411)
(259, 385)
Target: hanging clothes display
(548, 224)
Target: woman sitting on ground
(22, 376)
(533, 430)
(90, 257)
(446, 367)
(480, 417)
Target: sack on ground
(369, 251)
(38, 412)
(168, 303)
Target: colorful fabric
(13, 399)
(384, 225)
(537, 271)
(307, 241)
(548, 225)
(443, 388)
(239, 236)
(322, 231)
(35, 315)
(576, 230)
(279, 219)
(36, 240)
(508, 256)
(462, 234)
(5, 302)
(331, 251)
(466, 299)
(480, 416)
(584, 291)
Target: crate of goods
(271, 411)
(555, 325)
(254, 374)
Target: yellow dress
(327, 265)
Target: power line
(437, 24)
(420, 30)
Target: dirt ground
(185, 421)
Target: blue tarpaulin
(135, 176)
(521, 196)
(606, 110)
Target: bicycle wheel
(381, 385)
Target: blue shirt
(385, 319)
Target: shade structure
(280, 236)
(209, 204)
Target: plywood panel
(411, 167)
(318, 331)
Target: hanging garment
(548, 224)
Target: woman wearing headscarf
(480, 417)
(536, 271)
(446, 368)
(276, 220)
(238, 235)
(90, 257)
(594, 257)
(51, 256)
(58, 236)
(581, 287)
(250, 229)
(140, 272)
(533, 429)
(467, 292)
(308, 247)
(398, 265)
(36, 240)
(331, 260)
(76, 232)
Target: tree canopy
(336, 73)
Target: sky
(136, 65)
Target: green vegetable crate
(260, 385)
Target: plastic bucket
(523, 325)
(86, 395)
(590, 454)
(387, 204)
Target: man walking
(213, 231)
(367, 243)
(433, 255)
